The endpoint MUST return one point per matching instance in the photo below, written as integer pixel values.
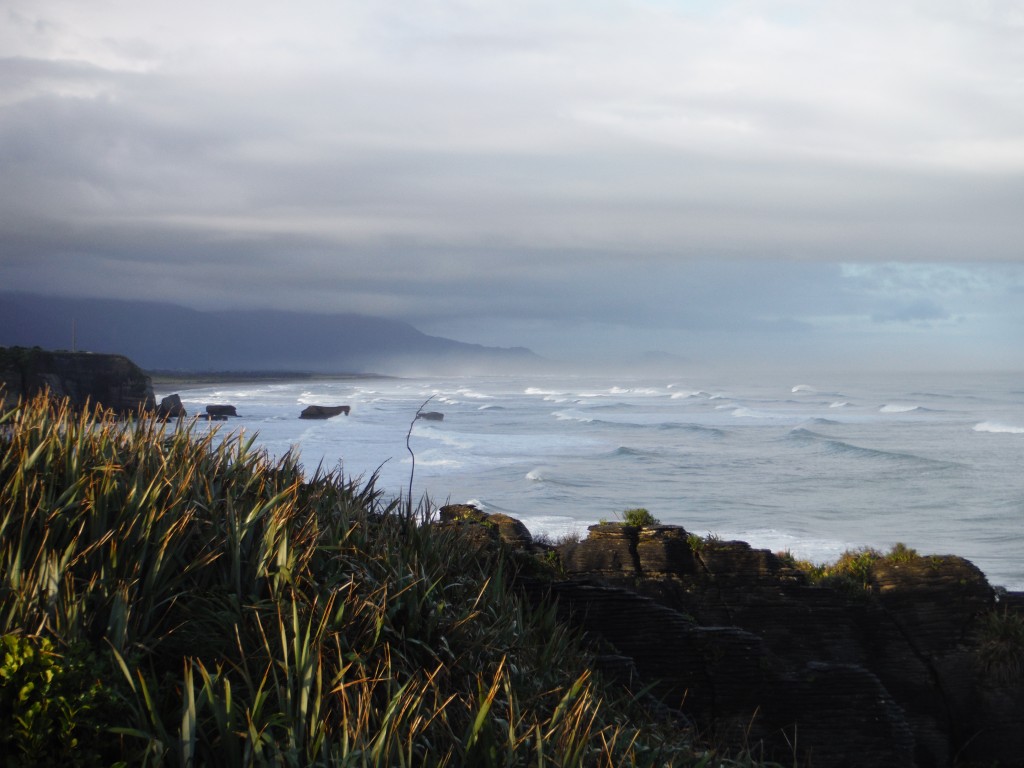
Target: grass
(1000, 646)
(171, 598)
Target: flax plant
(243, 613)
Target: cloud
(662, 167)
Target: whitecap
(744, 412)
(838, 404)
(445, 463)
(475, 395)
(802, 388)
(564, 416)
(898, 408)
(993, 426)
(535, 476)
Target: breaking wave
(993, 426)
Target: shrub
(699, 543)
(54, 708)
(901, 553)
(639, 517)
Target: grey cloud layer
(655, 165)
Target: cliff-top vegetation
(176, 598)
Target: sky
(811, 182)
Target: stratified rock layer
(113, 381)
(887, 672)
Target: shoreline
(198, 379)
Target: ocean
(814, 465)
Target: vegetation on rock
(639, 517)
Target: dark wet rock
(431, 416)
(323, 411)
(221, 410)
(171, 407)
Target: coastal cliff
(904, 660)
(112, 381)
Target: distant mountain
(160, 336)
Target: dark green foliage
(639, 517)
(55, 708)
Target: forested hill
(170, 337)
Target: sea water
(814, 464)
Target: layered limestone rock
(885, 670)
(84, 378)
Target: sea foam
(992, 426)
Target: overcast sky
(827, 182)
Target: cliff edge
(112, 381)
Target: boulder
(221, 410)
(171, 408)
(511, 530)
(323, 411)
(431, 416)
(504, 528)
(461, 512)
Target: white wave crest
(535, 475)
(898, 408)
(993, 426)
(473, 395)
(565, 416)
(838, 405)
(802, 388)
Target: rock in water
(171, 408)
(323, 411)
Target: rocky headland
(84, 378)
(912, 660)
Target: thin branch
(408, 435)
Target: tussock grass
(237, 611)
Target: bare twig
(408, 435)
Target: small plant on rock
(639, 517)
(699, 543)
(901, 553)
